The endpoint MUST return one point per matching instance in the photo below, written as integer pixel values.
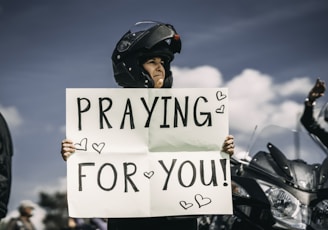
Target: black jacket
(312, 125)
(6, 153)
(158, 223)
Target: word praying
(182, 110)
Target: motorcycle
(281, 183)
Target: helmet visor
(134, 34)
(143, 26)
(147, 34)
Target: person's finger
(66, 155)
(230, 151)
(67, 148)
(159, 83)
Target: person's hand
(228, 145)
(159, 83)
(67, 148)
(317, 91)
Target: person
(23, 222)
(87, 224)
(141, 59)
(6, 153)
(307, 119)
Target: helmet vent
(168, 41)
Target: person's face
(28, 211)
(155, 68)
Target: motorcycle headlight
(319, 218)
(283, 203)
(238, 190)
(286, 208)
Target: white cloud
(254, 98)
(296, 86)
(252, 86)
(287, 114)
(12, 116)
(199, 77)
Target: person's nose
(159, 67)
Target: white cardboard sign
(147, 152)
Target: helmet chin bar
(168, 81)
(149, 82)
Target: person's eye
(151, 61)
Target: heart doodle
(82, 145)
(220, 109)
(98, 147)
(185, 205)
(202, 201)
(149, 174)
(220, 96)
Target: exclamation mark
(224, 167)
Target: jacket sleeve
(312, 126)
(6, 152)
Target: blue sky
(268, 54)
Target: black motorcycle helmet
(144, 40)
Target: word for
(180, 111)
